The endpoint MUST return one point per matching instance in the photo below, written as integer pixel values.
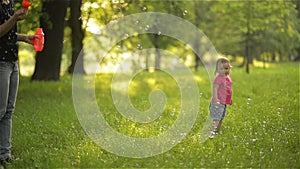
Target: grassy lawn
(261, 129)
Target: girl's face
(223, 69)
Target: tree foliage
(264, 30)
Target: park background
(261, 38)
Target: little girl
(222, 94)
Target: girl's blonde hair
(222, 61)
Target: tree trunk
(197, 43)
(273, 57)
(147, 61)
(247, 55)
(298, 49)
(48, 61)
(77, 37)
(197, 51)
(157, 51)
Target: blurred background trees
(267, 31)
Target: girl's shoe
(212, 135)
(6, 161)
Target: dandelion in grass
(222, 94)
(248, 100)
(185, 12)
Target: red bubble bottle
(25, 4)
(38, 42)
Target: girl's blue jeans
(9, 81)
(217, 111)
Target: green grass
(261, 128)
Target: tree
(254, 28)
(52, 21)
(77, 36)
(202, 17)
(236, 28)
(298, 10)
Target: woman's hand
(9, 24)
(20, 14)
(29, 39)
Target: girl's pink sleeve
(218, 80)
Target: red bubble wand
(38, 41)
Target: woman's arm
(26, 38)
(9, 24)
